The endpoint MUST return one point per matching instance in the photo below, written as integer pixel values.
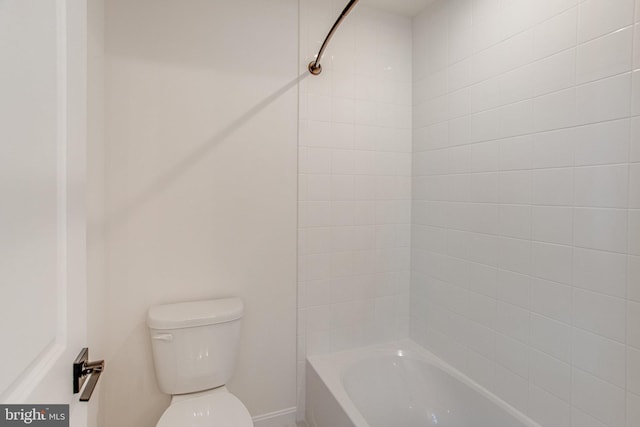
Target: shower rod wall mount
(314, 66)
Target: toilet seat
(209, 410)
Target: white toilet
(195, 345)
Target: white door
(42, 209)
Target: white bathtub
(399, 385)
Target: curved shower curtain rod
(314, 66)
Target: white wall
(96, 309)
(355, 185)
(526, 202)
(201, 107)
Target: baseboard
(282, 418)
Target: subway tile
(598, 398)
(314, 240)
(606, 99)
(318, 187)
(633, 410)
(551, 299)
(492, 193)
(485, 156)
(558, 109)
(485, 187)
(552, 262)
(554, 148)
(319, 107)
(315, 160)
(459, 159)
(633, 278)
(515, 221)
(547, 409)
(552, 224)
(514, 255)
(481, 339)
(633, 324)
(484, 218)
(458, 188)
(460, 103)
(513, 288)
(634, 186)
(516, 153)
(342, 213)
(316, 133)
(599, 356)
(343, 161)
(517, 118)
(551, 337)
(553, 187)
(556, 34)
(519, 83)
(485, 125)
(599, 17)
(513, 387)
(545, 9)
(483, 249)
(460, 130)
(456, 271)
(605, 56)
(513, 322)
(604, 229)
(480, 308)
(582, 419)
(601, 186)
(342, 187)
(635, 140)
(480, 368)
(599, 314)
(602, 143)
(342, 110)
(487, 31)
(513, 355)
(550, 374)
(518, 15)
(460, 42)
(603, 272)
(635, 93)
(483, 279)
(636, 42)
(364, 212)
(314, 214)
(460, 74)
(633, 370)
(554, 73)
(365, 112)
(516, 51)
(516, 187)
(342, 136)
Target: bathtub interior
(399, 384)
(403, 390)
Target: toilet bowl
(195, 346)
(207, 409)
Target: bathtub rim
(331, 368)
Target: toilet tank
(195, 344)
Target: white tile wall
(354, 182)
(526, 143)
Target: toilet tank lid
(195, 313)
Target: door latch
(86, 372)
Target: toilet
(195, 345)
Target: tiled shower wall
(354, 181)
(526, 202)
